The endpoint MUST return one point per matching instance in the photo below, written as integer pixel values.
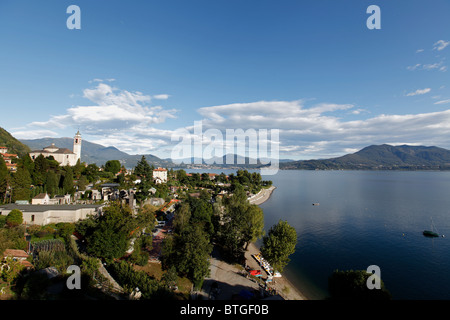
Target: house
(212, 176)
(43, 215)
(17, 255)
(160, 175)
(155, 201)
(62, 155)
(8, 157)
(110, 191)
(60, 199)
(41, 198)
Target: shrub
(14, 218)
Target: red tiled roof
(9, 155)
(15, 253)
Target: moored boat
(429, 233)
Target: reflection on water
(366, 218)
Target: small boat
(316, 204)
(431, 233)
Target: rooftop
(48, 207)
(40, 196)
(15, 253)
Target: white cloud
(161, 96)
(419, 92)
(115, 110)
(359, 111)
(419, 50)
(318, 132)
(429, 66)
(440, 45)
(115, 117)
(414, 67)
(34, 134)
(442, 101)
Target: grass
(154, 270)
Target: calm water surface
(366, 218)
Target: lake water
(366, 218)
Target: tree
(91, 172)
(21, 184)
(182, 218)
(4, 178)
(82, 183)
(352, 285)
(143, 169)
(51, 183)
(253, 224)
(68, 181)
(188, 252)
(232, 230)
(40, 170)
(110, 238)
(279, 244)
(113, 166)
(14, 218)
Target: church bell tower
(77, 145)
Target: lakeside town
(140, 233)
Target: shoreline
(282, 285)
(262, 196)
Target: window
(32, 218)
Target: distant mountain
(96, 153)
(14, 146)
(226, 161)
(381, 157)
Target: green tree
(182, 218)
(4, 179)
(68, 186)
(188, 252)
(232, 229)
(51, 183)
(279, 244)
(21, 184)
(352, 285)
(14, 218)
(78, 169)
(82, 183)
(40, 170)
(92, 172)
(143, 169)
(253, 227)
(111, 236)
(113, 166)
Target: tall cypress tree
(143, 169)
(21, 184)
(3, 178)
(68, 181)
(51, 183)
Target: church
(62, 155)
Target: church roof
(59, 150)
(62, 150)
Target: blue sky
(138, 70)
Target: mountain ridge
(381, 157)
